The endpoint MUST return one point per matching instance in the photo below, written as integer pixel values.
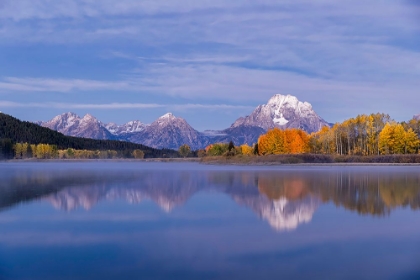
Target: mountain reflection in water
(283, 198)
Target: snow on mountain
(73, 125)
(170, 132)
(130, 127)
(283, 111)
(417, 117)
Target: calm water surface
(130, 220)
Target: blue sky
(208, 61)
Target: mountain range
(168, 131)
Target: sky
(208, 61)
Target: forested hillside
(14, 131)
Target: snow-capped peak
(65, 116)
(284, 111)
(129, 127)
(167, 119)
(168, 116)
(89, 117)
(278, 100)
(72, 125)
(287, 101)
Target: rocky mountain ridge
(72, 125)
(127, 128)
(169, 131)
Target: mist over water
(116, 220)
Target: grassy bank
(312, 159)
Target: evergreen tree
(231, 146)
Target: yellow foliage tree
(246, 150)
(411, 142)
(393, 139)
(138, 154)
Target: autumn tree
(138, 154)
(411, 142)
(246, 150)
(289, 141)
(18, 150)
(394, 139)
(323, 141)
(201, 153)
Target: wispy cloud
(59, 85)
(363, 53)
(118, 106)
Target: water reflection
(283, 198)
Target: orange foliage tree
(289, 141)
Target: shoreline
(105, 160)
(219, 162)
(314, 160)
(310, 164)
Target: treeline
(374, 134)
(365, 135)
(14, 131)
(226, 149)
(46, 151)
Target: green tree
(184, 150)
(217, 149)
(70, 153)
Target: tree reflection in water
(284, 198)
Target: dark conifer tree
(231, 146)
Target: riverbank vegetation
(46, 151)
(371, 138)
